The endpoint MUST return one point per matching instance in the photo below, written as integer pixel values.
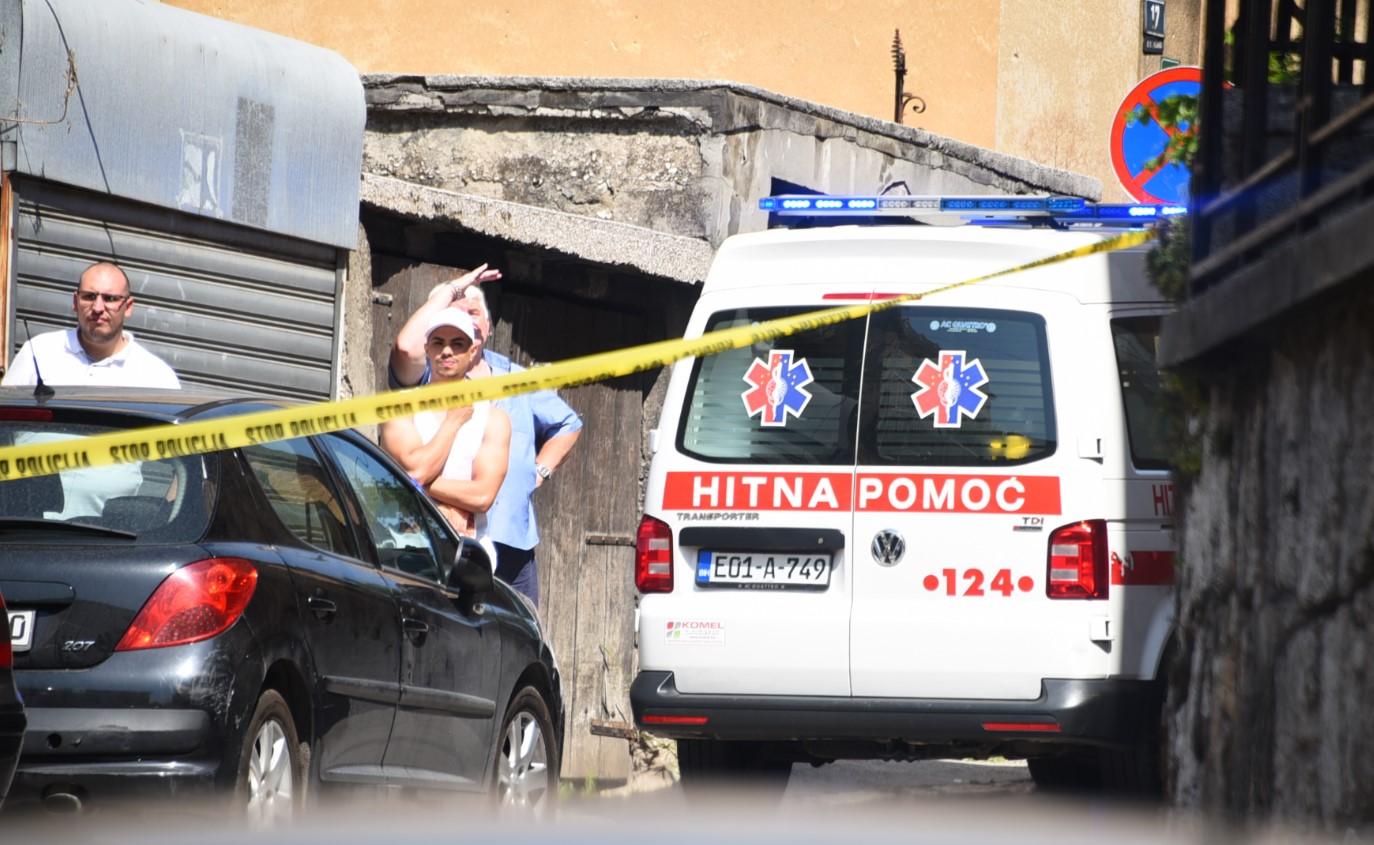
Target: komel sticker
(949, 389)
(777, 387)
(695, 632)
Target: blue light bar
(1128, 211)
(821, 205)
(973, 209)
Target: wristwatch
(542, 471)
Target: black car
(259, 620)
(12, 719)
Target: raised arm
(408, 352)
(488, 470)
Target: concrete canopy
(606, 242)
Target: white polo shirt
(62, 360)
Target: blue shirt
(534, 418)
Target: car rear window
(956, 387)
(154, 501)
(1142, 390)
(728, 417)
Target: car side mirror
(471, 572)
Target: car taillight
(1078, 561)
(654, 556)
(6, 650)
(194, 603)
(26, 414)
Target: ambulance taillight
(654, 556)
(1078, 561)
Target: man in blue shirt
(543, 426)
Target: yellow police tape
(175, 440)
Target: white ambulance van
(942, 530)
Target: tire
(1066, 773)
(1138, 771)
(1133, 773)
(270, 781)
(525, 780)
(704, 764)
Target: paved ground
(911, 803)
(860, 782)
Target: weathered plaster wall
(1272, 713)
(677, 156)
(829, 51)
(1036, 79)
(1039, 79)
(602, 166)
(1063, 69)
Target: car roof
(153, 403)
(856, 258)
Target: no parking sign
(1133, 146)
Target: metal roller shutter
(227, 307)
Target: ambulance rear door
(959, 481)
(757, 491)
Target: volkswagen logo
(888, 547)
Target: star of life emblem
(949, 389)
(777, 388)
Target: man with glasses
(98, 351)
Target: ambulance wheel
(705, 764)
(1066, 772)
(1138, 771)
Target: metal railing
(1287, 116)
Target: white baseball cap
(455, 318)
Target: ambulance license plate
(21, 630)
(763, 570)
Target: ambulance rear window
(956, 387)
(1141, 390)
(790, 400)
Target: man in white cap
(459, 456)
(543, 426)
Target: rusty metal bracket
(597, 538)
(618, 730)
(903, 99)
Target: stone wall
(1270, 701)
(677, 156)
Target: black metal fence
(1287, 117)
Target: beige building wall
(1061, 79)
(834, 52)
(1062, 76)
(1039, 79)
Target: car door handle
(322, 607)
(414, 628)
